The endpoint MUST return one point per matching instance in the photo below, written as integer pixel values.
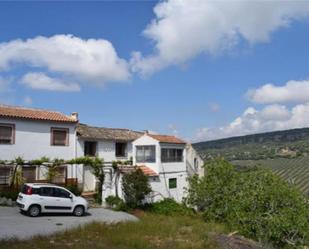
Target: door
(89, 180)
(47, 199)
(63, 201)
(29, 174)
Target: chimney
(74, 115)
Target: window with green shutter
(172, 183)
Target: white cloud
(292, 91)
(92, 60)
(270, 118)
(183, 29)
(43, 82)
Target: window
(195, 164)
(47, 191)
(146, 154)
(121, 149)
(61, 193)
(7, 133)
(5, 175)
(60, 137)
(171, 155)
(90, 148)
(172, 183)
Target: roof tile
(102, 133)
(167, 139)
(125, 169)
(34, 114)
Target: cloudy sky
(194, 68)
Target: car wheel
(79, 211)
(34, 211)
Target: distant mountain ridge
(294, 142)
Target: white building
(111, 144)
(166, 156)
(35, 133)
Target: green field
(295, 170)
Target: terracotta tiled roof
(167, 139)
(125, 169)
(34, 114)
(147, 171)
(102, 133)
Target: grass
(152, 231)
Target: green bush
(97, 198)
(9, 194)
(256, 203)
(169, 207)
(74, 189)
(116, 203)
(135, 187)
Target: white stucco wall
(146, 140)
(178, 170)
(106, 149)
(194, 162)
(160, 186)
(33, 140)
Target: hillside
(284, 152)
(287, 143)
(293, 170)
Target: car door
(63, 201)
(47, 199)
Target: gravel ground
(15, 224)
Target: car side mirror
(71, 196)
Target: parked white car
(35, 199)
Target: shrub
(97, 198)
(74, 189)
(135, 187)
(169, 207)
(116, 203)
(9, 194)
(257, 203)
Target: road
(15, 224)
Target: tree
(257, 203)
(135, 186)
(17, 174)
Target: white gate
(89, 180)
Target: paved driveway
(15, 224)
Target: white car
(37, 198)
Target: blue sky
(188, 84)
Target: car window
(35, 191)
(46, 191)
(59, 192)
